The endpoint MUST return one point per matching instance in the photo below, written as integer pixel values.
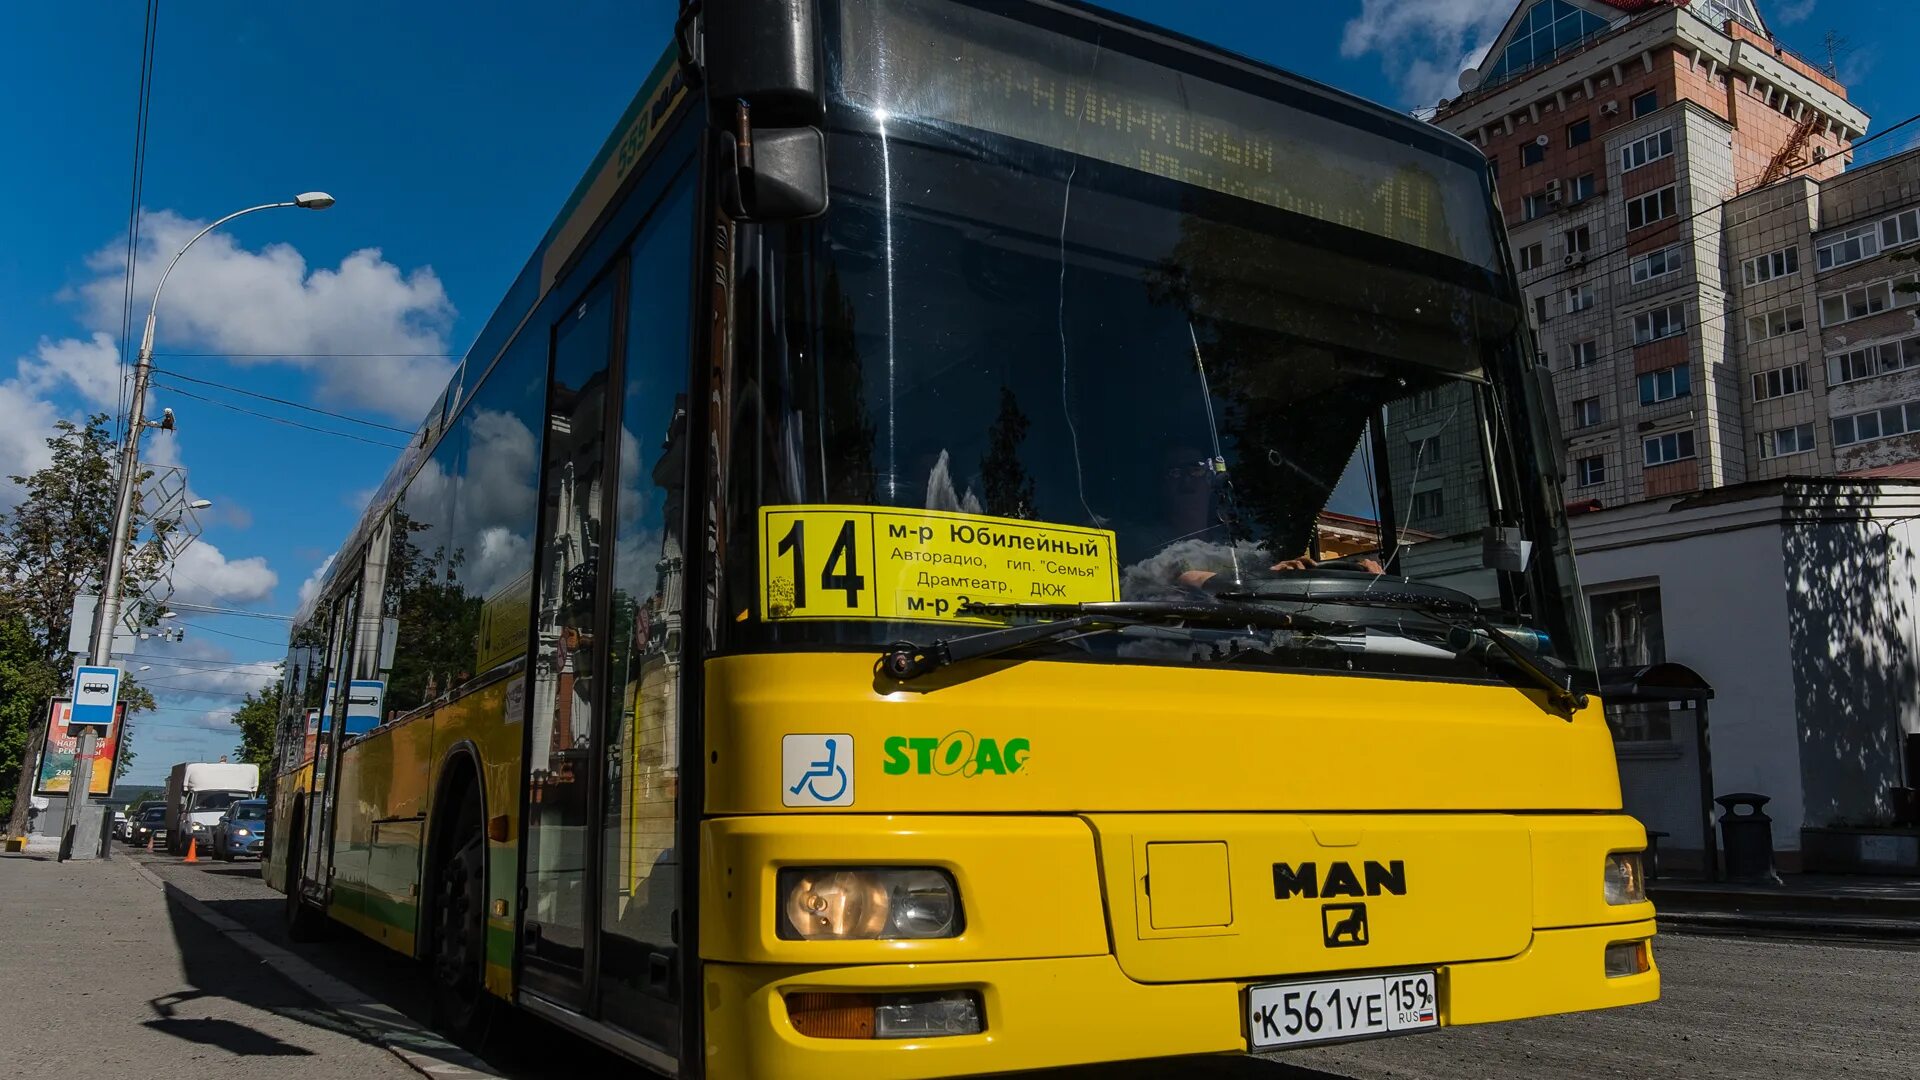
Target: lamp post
(108, 613)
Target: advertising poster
(56, 756)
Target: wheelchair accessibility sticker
(816, 770)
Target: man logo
(1343, 926)
(1373, 879)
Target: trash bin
(1746, 833)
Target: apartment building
(1825, 281)
(1617, 130)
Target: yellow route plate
(869, 562)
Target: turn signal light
(822, 1015)
(1626, 958)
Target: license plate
(1288, 1014)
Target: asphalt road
(1738, 1008)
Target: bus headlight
(833, 904)
(1626, 882)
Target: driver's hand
(1371, 566)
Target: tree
(54, 545)
(258, 719)
(1009, 488)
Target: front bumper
(242, 845)
(1048, 1013)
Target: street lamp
(109, 612)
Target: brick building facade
(1618, 131)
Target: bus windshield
(1232, 322)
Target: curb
(1848, 928)
(419, 1048)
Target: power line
(319, 355)
(209, 665)
(1677, 222)
(138, 171)
(283, 420)
(242, 637)
(171, 374)
(212, 610)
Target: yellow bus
(987, 535)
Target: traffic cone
(193, 853)
(149, 843)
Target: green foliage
(258, 719)
(54, 545)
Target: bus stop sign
(95, 692)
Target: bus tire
(304, 923)
(457, 925)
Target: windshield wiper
(905, 660)
(1456, 610)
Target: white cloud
(226, 298)
(310, 588)
(1789, 12)
(1426, 42)
(204, 575)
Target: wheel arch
(460, 769)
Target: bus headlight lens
(1626, 883)
(829, 904)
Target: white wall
(1723, 603)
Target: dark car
(149, 823)
(242, 830)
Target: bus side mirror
(760, 62)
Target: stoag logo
(960, 753)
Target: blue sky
(450, 134)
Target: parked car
(152, 822)
(120, 823)
(242, 830)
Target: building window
(1850, 246)
(1870, 360)
(1659, 323)
(1775, 323)
(1579, 131)
(1426, 451)
(1583, 187)
(1787, 440)
(1665, 385)
(1627, 633)
(1855, 304)
(1534, 205)
(1651, 148)
(1591, 471)
(1549, 29)
(1429, 505)
(1579, 240)
(1530, 257)
(1583, 353)
(1532, 154)
(1881, 423)
(1779, 382)
(1579, 298)
(1655, 264)
(1540, 310)
(1774, 264)
(1671, 447)
(1587, 412)
(1651, 207)
(1645, 103)
(1901, 228)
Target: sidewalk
(1838, 905)
(105, 972)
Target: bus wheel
(457, 949)
(304, 924)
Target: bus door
(568, 682)
(602, 871)
(318, 842)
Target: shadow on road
(1211, 1067)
